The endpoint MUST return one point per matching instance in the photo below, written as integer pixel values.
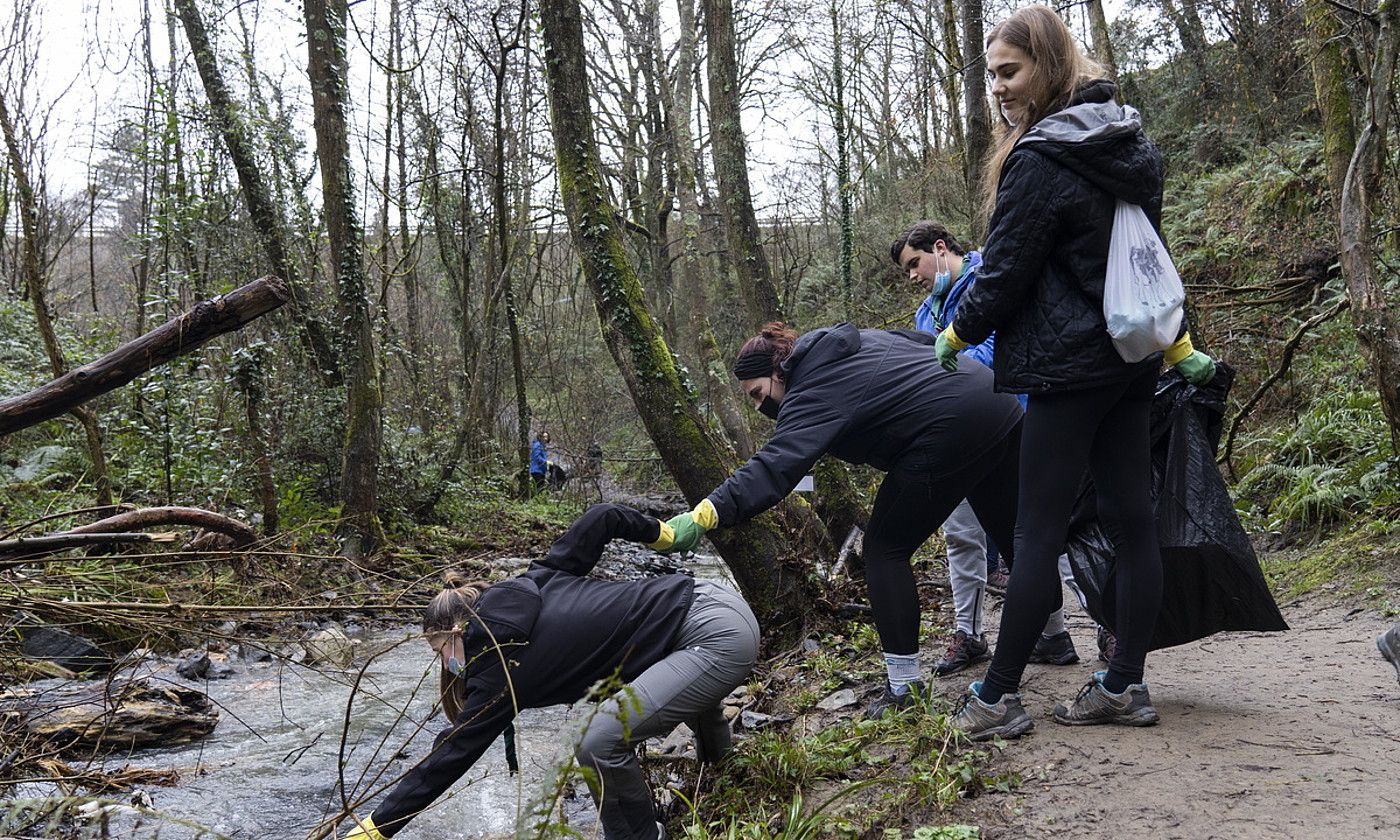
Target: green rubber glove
(687, 528)
(1198, 368)
(365, 830)
(947, 347)
(687, 533)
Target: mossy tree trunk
(731, 159)
(713, 371)
(266, 218)
(979, 118)
(360, 530)
(662, 398)
(36, 286)
(1377, 328)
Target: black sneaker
(963, 652)
(1389, 643)
(1107, 644)
(1096, 704)
(889, 700)
(1054, 650)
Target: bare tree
(360, 531)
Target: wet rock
(328, 647)
(63, 648)
(680, 739)
(757, 720)
(250, 652)
(810, 645)
(203, 665)
(194, 665)
(837, 700)
(119, 714)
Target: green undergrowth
(844, 780)
(1362, 563)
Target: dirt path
(1304, 744)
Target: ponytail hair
(449, 612)
(764, 354)
(1060, 68)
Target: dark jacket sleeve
(1018, 245)
(807, 426)
(577, 551)
(487, 711)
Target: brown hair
(921, 237)
(449, 612)
(775, 338)
(1060, 67)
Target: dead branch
(1285, 362)
(174, 515)
(32, 547)
(203, 321)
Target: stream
(270, 768)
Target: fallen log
(31, 547)
(205, 320)
(117, 715)
(133, 520)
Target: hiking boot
(1096, 704)
(962, 652)
(1108, 645)
(1054, 650)
(1005, 718)
(1389, 643)
(997, 581)
(889, 700)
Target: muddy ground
(1263, 735)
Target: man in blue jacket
(935, 260)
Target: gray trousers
(715, 652)
(967, 568)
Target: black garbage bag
(1211, 580)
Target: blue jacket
(539, 458)
(925, 319)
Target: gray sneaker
(1005, 718)
(1389, 643)
(1096, 704)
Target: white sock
(1055, 624)
(901, 669)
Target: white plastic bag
(1142, 293)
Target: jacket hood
(505, 615)
(1102, 141)
(818, 347)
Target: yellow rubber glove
(947, 347)
(365, 830)
(665, 539)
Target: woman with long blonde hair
(549, 636)
(1066, 155)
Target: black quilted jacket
(1040, 287)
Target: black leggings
(914, 499)
(1105, 429)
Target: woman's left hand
(1198, 368)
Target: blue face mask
(456, 668)
(942, 283)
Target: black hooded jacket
(561, 632)
(1040, 287)
(867, 397)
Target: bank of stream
(273, 765)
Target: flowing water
(271, 769)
